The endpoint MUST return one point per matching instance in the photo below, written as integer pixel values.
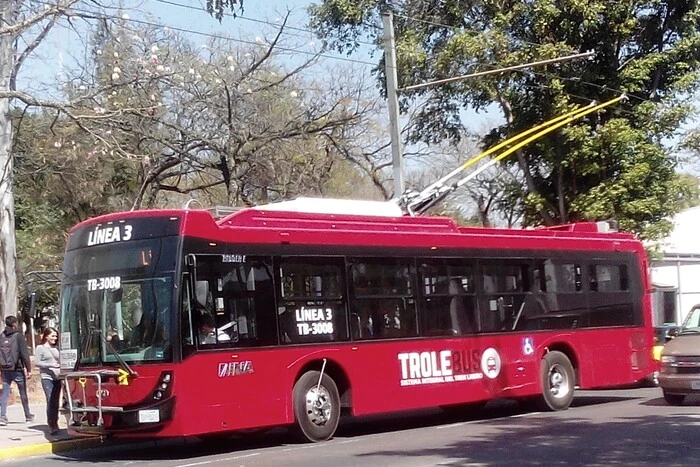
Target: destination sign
(118, 233)
(123, 231)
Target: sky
(258, 19)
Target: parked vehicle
(680, 361)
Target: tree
(60, 180)
(31, 22)
(178, 121)
(612, 165)
(230, 121)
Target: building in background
(676, 275)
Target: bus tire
(316, 407)
(673, 399)
(558, 380)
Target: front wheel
(558, 379)
(674, 399)
(316, 407)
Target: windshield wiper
(110, 348)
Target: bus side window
(201, 292)
(383, 297)
(363, 321)
(505, 287)
(186, 330)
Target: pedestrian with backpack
(15, 366)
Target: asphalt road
(625, 427)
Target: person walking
(16, 366)
(47, 359)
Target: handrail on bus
(418, 203)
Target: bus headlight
(165, 385)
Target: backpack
(9, 353)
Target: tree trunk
(524, 167)
(8, 253)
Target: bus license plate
(149, 416)
(695, 385)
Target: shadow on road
(546, 440)
(647, 440)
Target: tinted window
(383, 302)
(504, 278)
(610, 301)
(311, 305)
(560, 277)
(608, 277)
(448, 305)
(505, 284)
(232, 303)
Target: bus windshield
(117, 310)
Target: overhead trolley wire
(102, 16)
(418, 203)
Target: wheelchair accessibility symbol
(528, 346)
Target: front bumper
(680, 384)
(85, 421)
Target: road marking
(311, 446)
(473, 422)
(219, 460)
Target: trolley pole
(391, 85)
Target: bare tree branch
(60, 8)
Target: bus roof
(336, 206)
(310, 221)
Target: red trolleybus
(175, 323)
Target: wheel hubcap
(559, 384)
(318, 406)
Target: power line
(247, 18)
(498, 70)
(455, 28)
(98, 15)
(102, 16)
(587, 83)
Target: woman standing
(46, 358)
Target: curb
(49, 447)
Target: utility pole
(391, 85)
(392, 89)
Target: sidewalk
(20, 439)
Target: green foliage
(217, 8)
(58, 182)
(613, 164)
(688, 189)
(165, 121)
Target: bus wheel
(316, 407)
(558, 379)
(674, 399)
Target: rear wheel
(674, 399)
(316, 407)
(558, 380)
